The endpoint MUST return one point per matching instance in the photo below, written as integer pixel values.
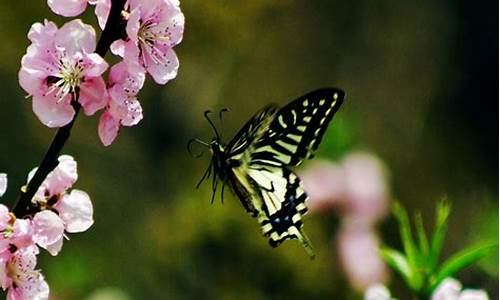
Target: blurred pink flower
(356, 187)
(323, 182)
(451, 289)
(3, 183)
(358, 253)
(365, 188)
(123, 107)
(154, 27)
(377, 292)
(58, 63)
(19, 277)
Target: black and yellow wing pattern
(262, 153)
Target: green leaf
(442, 213)
(398, 262)
(461, 260)
(413, 256)
(405, 232)
(423, 243)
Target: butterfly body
(257, 162)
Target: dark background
(422, 85)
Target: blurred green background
(422, 85)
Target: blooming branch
(112, 31)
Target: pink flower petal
(4, 216)
(31, 80)
(164, 71)
(67, 8)
(76, 211)
(173, 22)
(22, 234)
(3, 184)
(51, 112)
(62, 177)
(48, 231)
(448, 289)
(29, 283)
(358, 252)
(75, 37)
(133, 113)
(108, 128)
(365, 188)
(95, 65)
(377, 292)
(133, 24)
(473, 295)
(323, 182)
(118, 47)
(125, 81)
(102, 9)
(41, 34)
(93, 95)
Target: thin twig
(112, 31)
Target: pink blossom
(59, 64)
(356, 187)
(377, 292)
(123, 107)
(48, 231)
(358, 252)
(19, 277)
(71, 8)
(20, 234)
(451, 289)
(3, 183)
(61, 211)
(365, 188)
(59, 180)
(154, 27)
(67, 8)
(102, 9)
(76, 211)
(323, 182)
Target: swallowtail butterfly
(257, 162)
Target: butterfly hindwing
(283, 205)
(297, 129)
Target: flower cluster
(61, 70)
(356, 189)
(58, 211)
(449, 289)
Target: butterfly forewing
(297, 129)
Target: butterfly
(257, 162)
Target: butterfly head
(217, 149)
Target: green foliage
(419, 264)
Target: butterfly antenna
(221, 112)
(211, 123)
(190, 150)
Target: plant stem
(112, 31)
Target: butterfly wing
(297, 129)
